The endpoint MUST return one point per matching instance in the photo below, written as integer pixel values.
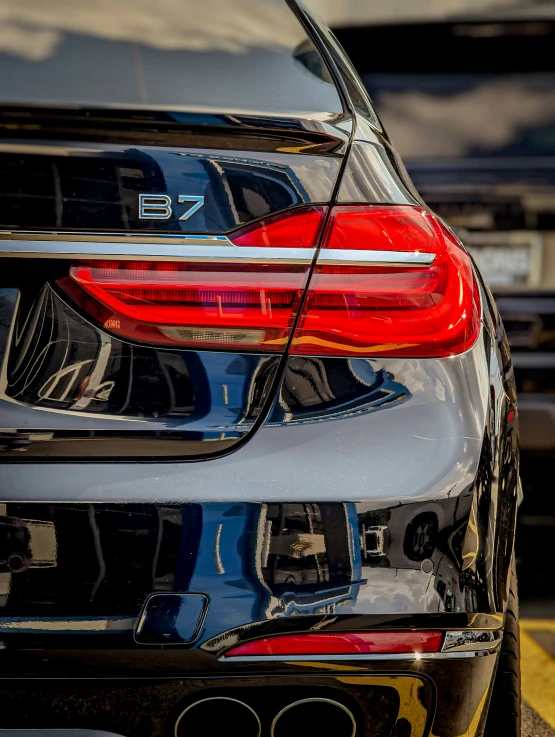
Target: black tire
(504, 711)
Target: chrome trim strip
(471, 640)
(86, 236)
(161, 247)
(383, 657)
(339, 257)
(153, 250)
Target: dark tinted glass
(221, 55)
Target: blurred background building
(347, 12)
(350, 12)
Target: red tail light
(342, 643)
(243, 294)
(389, 281)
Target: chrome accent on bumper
(471, 641)
(56, 733)
(383, 657)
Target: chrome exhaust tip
(324, 717)
(205, 718)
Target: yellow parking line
(534, 625)
(538, 676)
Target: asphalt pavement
(533, 725)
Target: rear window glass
(214, 55)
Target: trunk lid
(146, 187)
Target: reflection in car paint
(260, 562)
(74, 189)
(62, 364)
(316, 390)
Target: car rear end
(258, 424)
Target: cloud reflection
(34, 29)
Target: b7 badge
(159, 206)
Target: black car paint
(251, 169)
(213, 547)
(123, 532)
(65, 365)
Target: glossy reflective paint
(371, 177)
(360, 450)
(91, 186)
(394, 525)
(360, 494)
(281, 566)
(227, 57)
(445, 535)
(123, 394)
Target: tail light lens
(342, 643)
(248, 297)
(389, 281)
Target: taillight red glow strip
(387, 281)
(413, 645)
(426, 306)
(341, 643)
(243, 295)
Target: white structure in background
(347, 12)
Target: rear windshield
(462, 90)
(207, 55)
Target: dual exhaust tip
(324, 717)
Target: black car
(258, 446)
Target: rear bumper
(380, 696)
(74, 638)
